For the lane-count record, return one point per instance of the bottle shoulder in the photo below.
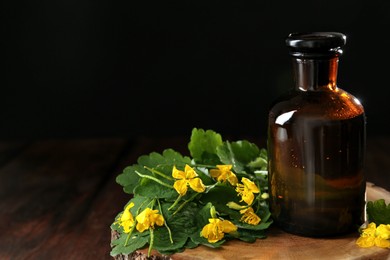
(335, 104)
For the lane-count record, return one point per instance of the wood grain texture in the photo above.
(47, 192)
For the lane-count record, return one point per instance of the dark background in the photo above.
(125, 68)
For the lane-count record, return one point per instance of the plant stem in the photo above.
(175, 203)
(127, 239)
(184, 203)
(204, 165)
(154, 179)
(159, 173)
(151, 241)
(129, 235)
(165, 223)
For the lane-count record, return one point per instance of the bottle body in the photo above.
(316, 150)
(317, 183)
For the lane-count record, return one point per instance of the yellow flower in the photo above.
(383, 243)
(383, 231)
(375, 236)
(216, 229)
(370, 230)
(366, 241)
(224, 173)
(148, 218)
(246, 190)
(185, 178)
(125, 219)
(249, 216)
(233, 205)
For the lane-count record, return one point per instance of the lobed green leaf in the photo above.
(203, 146)
(378, 212)
(134, 243)
(239, 154)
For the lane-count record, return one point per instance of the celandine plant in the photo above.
(179, 202)
(376, 232)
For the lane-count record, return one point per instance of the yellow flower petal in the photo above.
(215, 173)
(246, 190)
(190, 173)
(211, 232)
(225, 167)
(369, 230)
(228, 226)
(156, 218)
(141, 227)
(216, 229)
(148, 218)
(365, 241)
(187, 177)
(177, 174)
(383, 231)
(383, 243)
(248, 197)
(181, 187)
(126, 213)
(223, 173)
(125, 219)
(250, 185)
(197, 185)
(249, 216)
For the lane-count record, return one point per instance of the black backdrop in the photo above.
(124, 68)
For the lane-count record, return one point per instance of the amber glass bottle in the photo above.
(316, 144)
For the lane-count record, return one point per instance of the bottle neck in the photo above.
(315, 74)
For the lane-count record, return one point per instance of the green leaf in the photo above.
(134, 243)
(115, 226)
(203, 146)
(250, 236)
(260, 162)
(202, 216)
(182, 226)
(169, 157)
(378, 212)
(239, 154)
(264, 224)
(162, 163)
(128, 178)
(190, 244)
(214, 197)
(152, 189)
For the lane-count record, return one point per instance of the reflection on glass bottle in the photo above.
(316, 144)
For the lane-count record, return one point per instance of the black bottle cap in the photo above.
(315, 44)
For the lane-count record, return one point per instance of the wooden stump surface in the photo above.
(282, 245)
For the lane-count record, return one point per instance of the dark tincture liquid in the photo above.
(316, 148)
